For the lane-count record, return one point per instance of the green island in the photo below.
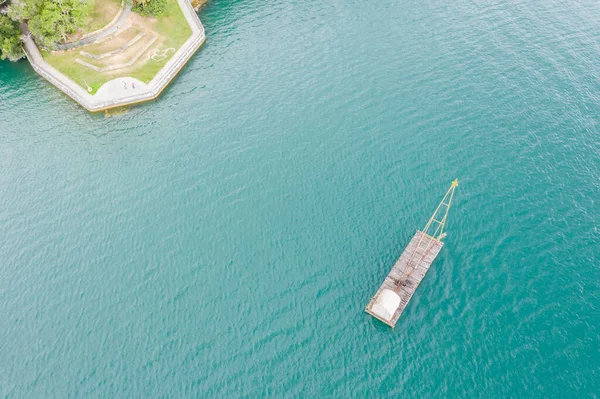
(120, 46)
(171, 31)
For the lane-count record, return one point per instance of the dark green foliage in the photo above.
(51, 21)
(10, 39)
(151, 7)
(56, 19)
(25, 9)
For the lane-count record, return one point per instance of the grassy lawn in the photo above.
(104, 12)
(118, 41)
(172, 30)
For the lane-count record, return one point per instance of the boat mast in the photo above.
(444, 207)
(437, 235)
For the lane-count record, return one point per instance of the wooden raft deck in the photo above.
(409, 276)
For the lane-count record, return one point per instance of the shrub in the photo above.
(155, 8)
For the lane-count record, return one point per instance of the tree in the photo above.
(151, 7)
(10, 39)
(21, 10)
(49, 21)
(55, 20)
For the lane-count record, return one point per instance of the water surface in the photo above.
(224, 240)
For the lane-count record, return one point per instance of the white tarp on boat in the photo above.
(386, 304)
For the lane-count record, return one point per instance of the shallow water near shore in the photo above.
(224, 239)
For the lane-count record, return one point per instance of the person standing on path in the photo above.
(133, 85)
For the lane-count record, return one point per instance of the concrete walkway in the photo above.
(120, 87)
(101, 34)
(114, 94)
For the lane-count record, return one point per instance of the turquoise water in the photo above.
(224, 240)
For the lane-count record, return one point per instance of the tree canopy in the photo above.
(151, 7)
(52, 20)
(57, 19)
(49, 20)
(10, 39)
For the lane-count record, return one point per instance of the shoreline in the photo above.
(198, 4)
(151, 91)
